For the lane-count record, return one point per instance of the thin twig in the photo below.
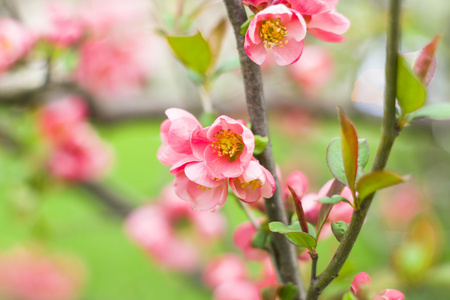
(389, 132)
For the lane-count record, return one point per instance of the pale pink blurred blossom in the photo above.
(65, 28)
(278, 29)
(156, 228)
(58, 118)
(114, 67)
(28, 275)
(298, 182)
(228, 267)
(82, 156)
(242, 238)
(237, 290)
(389, 294)
(15, 42)
(314, 70)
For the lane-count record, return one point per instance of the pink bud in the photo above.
(359, 283)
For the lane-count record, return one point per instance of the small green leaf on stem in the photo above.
(335, 199)
(244, 26)
(349, 149)
(411, 93)
(438, 111)
(339, 229)
(295, 236)
(260, 144)
(259, 240)
(207, 118)
(374, 181)
(287, 292)
(193, 51)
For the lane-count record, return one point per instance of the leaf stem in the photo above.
(389, 132)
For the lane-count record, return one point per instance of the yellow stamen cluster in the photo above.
(227, 143)
(204, 188)
(254, 184)
(273, 33)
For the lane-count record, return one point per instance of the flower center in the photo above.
(228, 143)
(273, 33)
(254, 184)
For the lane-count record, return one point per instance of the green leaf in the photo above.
(335, 199)
(349, 149)
(244, 26)
(294, 234)
(216, 39)
(411, 93)
(206, 119)
(339, 229)
(287, 292)
(375, 181)
(336, 164)
(260, 144)
(438, 111)
(193, 51)
(349, 296)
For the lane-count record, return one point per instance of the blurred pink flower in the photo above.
(65, 28)
(58, 118)
(82, 156)
(389, 294)
(242, 238)
(25, 275)
(254, 183)
(298, 182)
(101, 18)
(159, 228)
(237, 290)
(114, 67)
(314, 70)
(15, 42)
(228, 267)
(360, 284)
(279, 29)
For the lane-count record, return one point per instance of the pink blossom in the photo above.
(279, 29)
(298, 182)
(203, 192)
(268, 274)
(65, 28)
(114, 67)
(227, 147)
(58, 118)
(314, 70)
(176, 134)
(82, 156)
(389, 294)
(309, 7)
(237, 290)
(254, 183)
(25, 275)
(15, 42)
(360, 284)
(228, 267)
(328, 26)
(242, 238)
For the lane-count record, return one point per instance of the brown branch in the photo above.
(284, 252)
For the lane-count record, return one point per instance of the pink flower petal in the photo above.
(288, 54)
(326, 36)
(332, 22)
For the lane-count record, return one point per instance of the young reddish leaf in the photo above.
(425, 64)
(411, 93)
(299, 211)
(193, 51)
(375, 181)
(349, 149)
